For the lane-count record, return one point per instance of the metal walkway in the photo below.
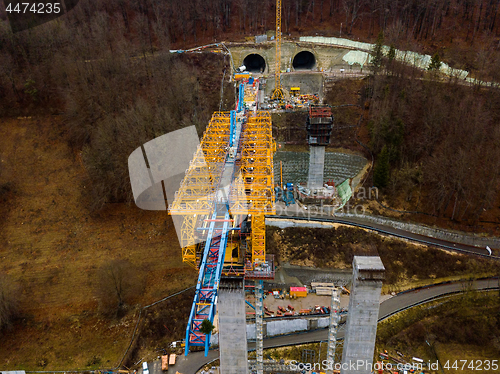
(210, 270)
(208, 279)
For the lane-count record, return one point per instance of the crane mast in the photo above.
(278, 90)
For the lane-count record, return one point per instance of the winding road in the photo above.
(387, 230)
(194, 361)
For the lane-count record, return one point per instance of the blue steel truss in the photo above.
(231, 127)
(205, 299)
(241, 98)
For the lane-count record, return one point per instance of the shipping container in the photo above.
(171, 359)
(298, 292)
(164, 362)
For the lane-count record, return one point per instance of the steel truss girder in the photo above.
(208, 281)
(258, 238)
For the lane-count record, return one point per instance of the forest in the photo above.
(105, 68)
(437, 141)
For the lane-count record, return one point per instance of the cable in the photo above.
(222, 90)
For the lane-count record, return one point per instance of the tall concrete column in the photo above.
(316, 166)
(232, 331)
(364, 303)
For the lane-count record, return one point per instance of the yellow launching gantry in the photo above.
(252, 192)
(195, 198)
(226, 192)
(249, 196)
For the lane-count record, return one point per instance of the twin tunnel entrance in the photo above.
(304, 60)
(255, 63)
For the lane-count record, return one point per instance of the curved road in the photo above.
(194, 361)
(399, 233)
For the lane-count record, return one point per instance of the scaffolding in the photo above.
(196, 194)
(195, 198)
(188, 240)
(259, 314)
(319, 125)
(332, 330)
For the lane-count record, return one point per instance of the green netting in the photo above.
(344, 191)
(338, 166)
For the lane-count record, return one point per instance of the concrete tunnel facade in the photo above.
(296, 56)
(306, 60)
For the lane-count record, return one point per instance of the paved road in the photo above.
(383, 229)
(195, 360)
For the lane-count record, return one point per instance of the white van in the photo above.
(145, 369)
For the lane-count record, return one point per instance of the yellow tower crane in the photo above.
(278, 93)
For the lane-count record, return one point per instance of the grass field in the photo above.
(463, 327)
(52, 246)
(407, 265)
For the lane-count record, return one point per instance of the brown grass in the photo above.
(52, 246)
(407, 265)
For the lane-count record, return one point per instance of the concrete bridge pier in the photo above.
(232, 331)
(361, 326)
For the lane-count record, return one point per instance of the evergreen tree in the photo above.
(392, 53)
(381, 171)
(377, 54)
(435, 63)
(207, 326)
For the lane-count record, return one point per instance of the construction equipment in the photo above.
(225, 193)
(278, 93)
(288, 194)
(319, 125)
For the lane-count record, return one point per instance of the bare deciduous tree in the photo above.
(9, 301)
(119, 283)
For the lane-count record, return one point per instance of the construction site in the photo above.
(229, 187)
(258, 137)
(249, 187)
(225, 195)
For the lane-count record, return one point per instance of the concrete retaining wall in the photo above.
(283, 326)
(412, 58)
(452, 236)
(286, 326)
